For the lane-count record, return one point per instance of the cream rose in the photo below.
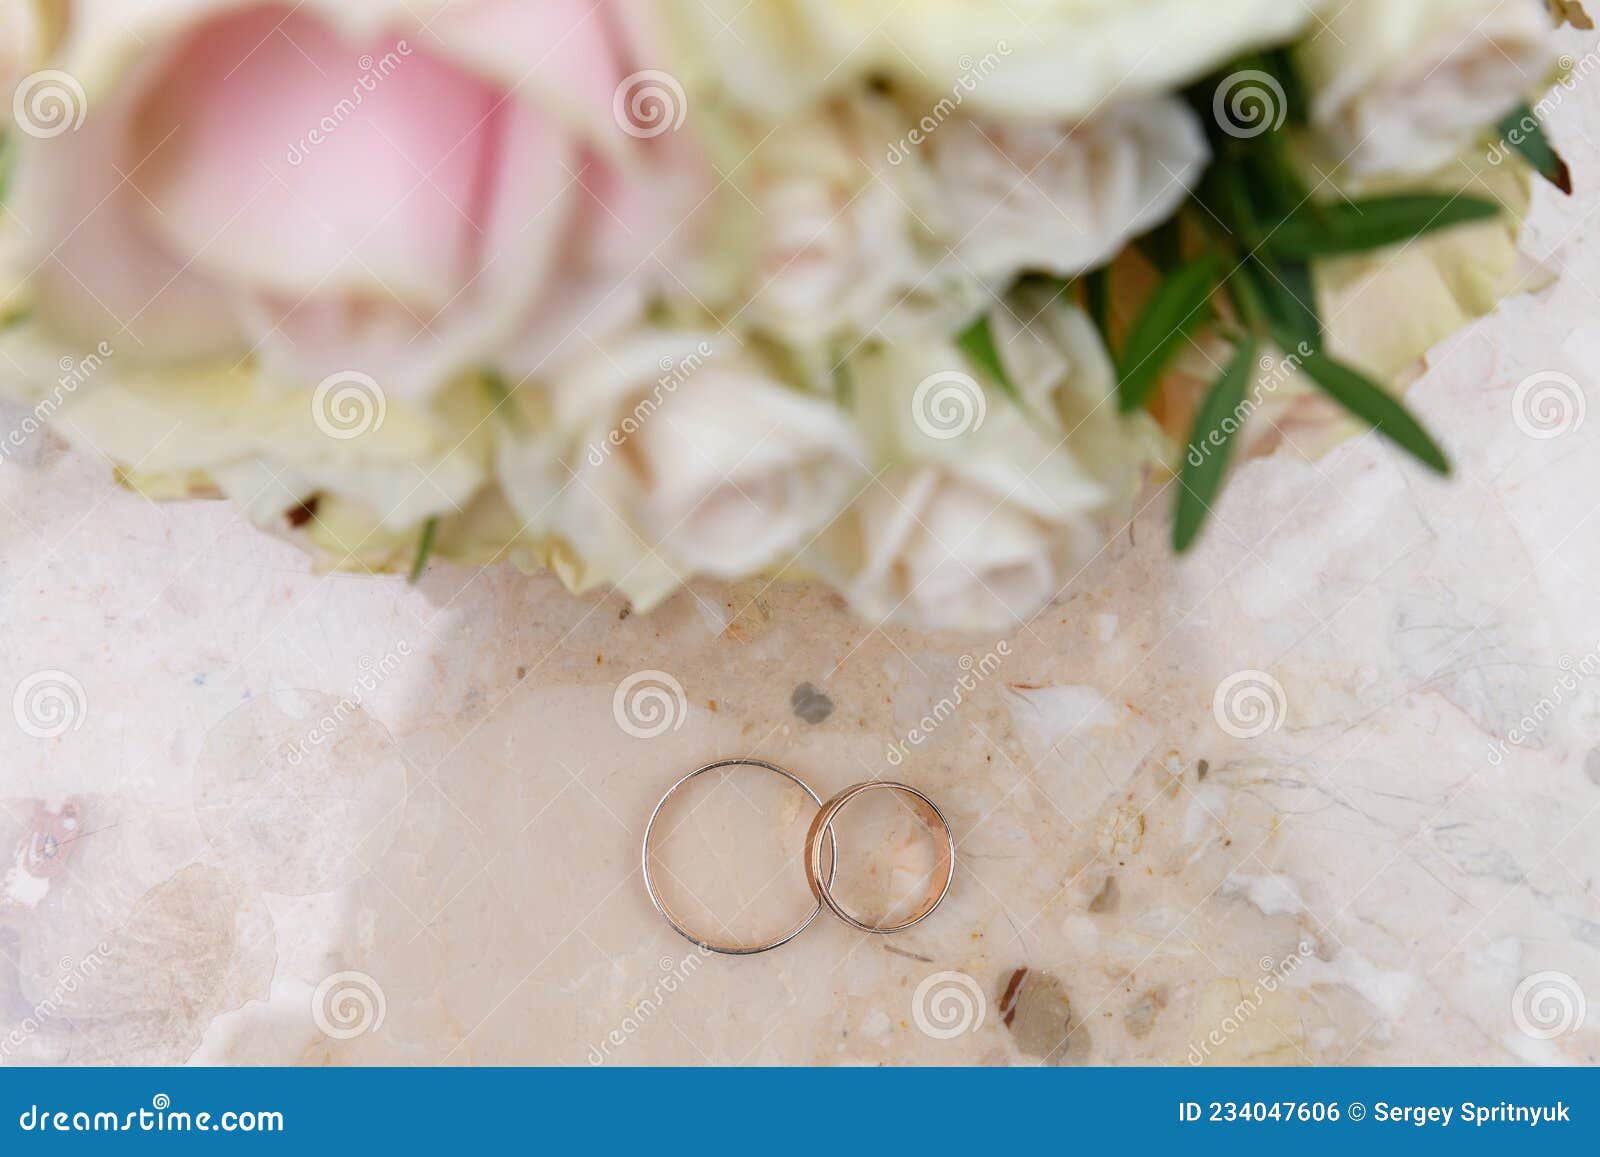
(394, 188)
(1404, 86)
(20, 37)
(1052, 58)
(1029, 195)
(836, 243)
(668, 455)
(984, 509)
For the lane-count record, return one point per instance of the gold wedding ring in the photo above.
(821, 883)
(822, 825)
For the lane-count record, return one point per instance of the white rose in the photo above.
(1026, 195)
(835, 245)
(1384, 311)
(273, 450)
(1404, 86)
(1055, 58)
(985, 510)
(20, 37)
(668, 455)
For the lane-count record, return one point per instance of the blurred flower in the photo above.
(836, 244)
(667, 455)
(187, 432)
(1385, 310)
(324, 185)
(1028, 195)
(1404, 86)
(978, 525)
(20, 37)
(1057, 58)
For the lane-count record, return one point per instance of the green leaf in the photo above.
(1210, 445)
(844, 386)
(1163, 245)
(1523, 132)
(1225, 195)
(1285, 295)
(1273, 177)
(1097, 295)
(977, 343)
(1375, 223)
(1375, 406)
(430, 531)
(1175, 310)
(1281, 63)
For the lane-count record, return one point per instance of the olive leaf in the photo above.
(1374, 405)
(430, 531)
(1373, 223)
(1523, 132)
(1210, 445)
(1175, 310)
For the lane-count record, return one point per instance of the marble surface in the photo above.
(1328, 791)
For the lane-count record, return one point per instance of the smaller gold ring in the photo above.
(822, 825)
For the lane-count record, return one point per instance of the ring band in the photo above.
(666, 913)
(823, 823)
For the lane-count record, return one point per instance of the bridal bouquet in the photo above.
(916, 297)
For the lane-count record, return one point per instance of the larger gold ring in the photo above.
(823, 825)
(666, 913)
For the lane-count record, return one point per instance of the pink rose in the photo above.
(411, 190)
